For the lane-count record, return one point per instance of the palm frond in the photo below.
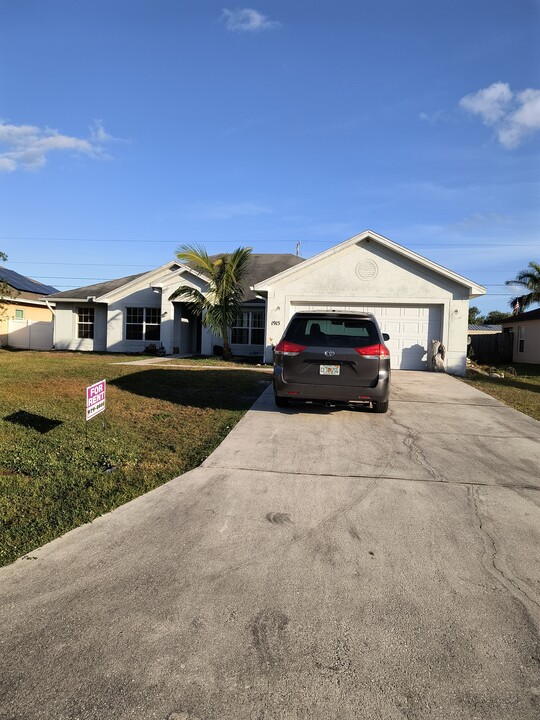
(188, 294)
(530, 280)
(197, 256)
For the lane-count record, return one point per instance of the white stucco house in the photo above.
(414, 299)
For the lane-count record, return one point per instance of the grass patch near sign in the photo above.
(57, 471)
(522, 391)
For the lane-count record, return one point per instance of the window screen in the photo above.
(143, 323)
(249, 328)
(85, 323)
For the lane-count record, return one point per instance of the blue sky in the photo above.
(128, 128)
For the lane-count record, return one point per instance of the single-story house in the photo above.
(414, 299)
(526, 329)
(25, 317)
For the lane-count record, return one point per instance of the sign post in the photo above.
(95, 399)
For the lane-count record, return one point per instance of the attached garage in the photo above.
(414, 300)
(411, 328)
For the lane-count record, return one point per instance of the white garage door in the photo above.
(411, 328)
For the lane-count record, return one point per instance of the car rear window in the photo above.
(324, 332)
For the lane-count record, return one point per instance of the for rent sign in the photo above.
(95, 399)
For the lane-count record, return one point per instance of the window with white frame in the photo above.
(521, 339)
(143, 323)
(249, 328)
(85, 322)
(19, 314)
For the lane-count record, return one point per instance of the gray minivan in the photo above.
(334, 357)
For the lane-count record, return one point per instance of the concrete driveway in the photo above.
(321, 564)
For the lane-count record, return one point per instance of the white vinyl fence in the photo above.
(30, 335)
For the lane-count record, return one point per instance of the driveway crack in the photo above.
(492, 555)
(416, 453)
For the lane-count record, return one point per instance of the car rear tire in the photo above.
(380, 406)
(281, 401)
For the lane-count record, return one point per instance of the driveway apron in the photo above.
(322, 563)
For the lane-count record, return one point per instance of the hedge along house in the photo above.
(414, 300)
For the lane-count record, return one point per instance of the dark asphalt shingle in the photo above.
(98, 289)
(261, 266)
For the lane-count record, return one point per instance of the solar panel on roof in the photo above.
(25, 284)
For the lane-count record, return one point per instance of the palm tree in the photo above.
(220, 306)
(529, 279)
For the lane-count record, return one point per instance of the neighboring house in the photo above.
(489, 345)
(25, 318)
(414, 299)
(526, 331)
(484, 329)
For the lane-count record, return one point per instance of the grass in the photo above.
(521, 392)
(58, 472)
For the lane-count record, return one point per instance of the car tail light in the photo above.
(374, 351)
(289, 348)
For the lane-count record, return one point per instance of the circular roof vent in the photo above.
(366, 270)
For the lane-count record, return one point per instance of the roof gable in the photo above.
(367, 236)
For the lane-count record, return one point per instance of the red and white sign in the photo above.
(95, 399)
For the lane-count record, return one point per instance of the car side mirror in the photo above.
(385, 336)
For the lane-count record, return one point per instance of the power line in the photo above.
(75, 264)
(274, 241)
(122, 265)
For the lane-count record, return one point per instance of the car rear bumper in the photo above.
(339, 393)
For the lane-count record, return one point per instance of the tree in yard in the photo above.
(529, 279)
(6, 291)
(494, 317)
(220, 306)
(474, 316)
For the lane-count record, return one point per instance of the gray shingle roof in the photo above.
(261, 266)
(265, 265)
(98, 289)
(23, 283)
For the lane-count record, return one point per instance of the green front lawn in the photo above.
(521, 392)
(57, 471)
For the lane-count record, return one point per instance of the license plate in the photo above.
(329, 370)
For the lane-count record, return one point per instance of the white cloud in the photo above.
(27, 146)
(434, 117)
(490, 103)
(247, 20)
(220, 210)
(515, 116)
(226, 211)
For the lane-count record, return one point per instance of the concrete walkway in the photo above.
(321, 564)
(169, 361)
